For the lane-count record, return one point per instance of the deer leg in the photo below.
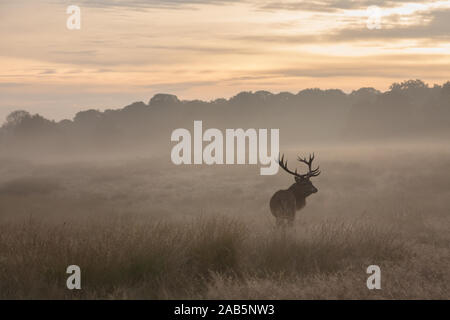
(290, 215)
(280, 222)
(290, 221)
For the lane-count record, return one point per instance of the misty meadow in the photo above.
(100, 191)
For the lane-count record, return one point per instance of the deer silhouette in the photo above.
(285, 203)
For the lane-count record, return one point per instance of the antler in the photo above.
(283, 165)
(311, 172)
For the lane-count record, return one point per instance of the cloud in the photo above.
(72, 52)
(331, 5)
(12, 84)
(371, 70)
(437, 28)
(376, 66)
(48, 71)
(177, 86)
(220, 50)
(173, 4)
(430, 27)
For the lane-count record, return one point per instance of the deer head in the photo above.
(302, 181)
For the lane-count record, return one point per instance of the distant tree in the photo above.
(163, 99)
(446, 88)
(409, 108)
(365, 92)
(365, 96)
(16, 117)
(87, 116)
(21, 123)
(408, 85)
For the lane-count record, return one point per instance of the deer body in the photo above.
(285, 203)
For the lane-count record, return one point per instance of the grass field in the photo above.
(146, 229)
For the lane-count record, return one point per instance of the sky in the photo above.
(129, 50)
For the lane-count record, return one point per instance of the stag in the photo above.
(285, 203)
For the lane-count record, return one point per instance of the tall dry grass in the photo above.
(217, 257)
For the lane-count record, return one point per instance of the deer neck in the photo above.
(298, 191)
(300, 198)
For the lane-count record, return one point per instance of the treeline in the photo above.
(411, 109)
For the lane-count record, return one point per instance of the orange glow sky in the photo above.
(205, 49)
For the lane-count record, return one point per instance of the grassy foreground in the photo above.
(215, 258)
